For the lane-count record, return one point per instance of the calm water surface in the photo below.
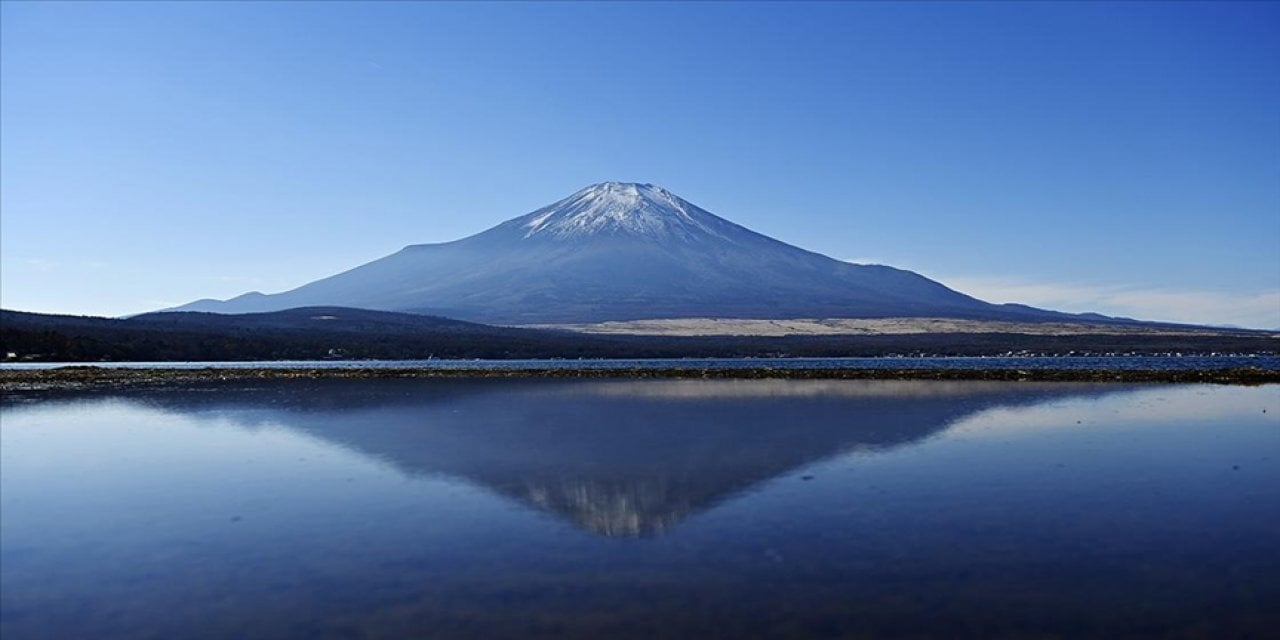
(1159, 363)
(656, 508)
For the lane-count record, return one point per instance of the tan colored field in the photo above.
(862, 326)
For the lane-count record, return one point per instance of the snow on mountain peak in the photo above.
(621, 208)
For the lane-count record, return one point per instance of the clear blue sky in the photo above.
(1122, 158)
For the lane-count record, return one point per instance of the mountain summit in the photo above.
(625, 251)
(613, 208)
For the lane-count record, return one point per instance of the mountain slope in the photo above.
(622, 251)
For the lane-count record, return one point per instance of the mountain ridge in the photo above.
(327, 332)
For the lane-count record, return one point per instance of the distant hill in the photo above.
(335, 332)
(305, 333)
(622, 251)
(321, 319)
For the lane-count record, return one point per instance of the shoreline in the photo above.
(80, 376)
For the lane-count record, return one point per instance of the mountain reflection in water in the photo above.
(618, 458)
(639, 508)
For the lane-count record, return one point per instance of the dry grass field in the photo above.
(867, 327)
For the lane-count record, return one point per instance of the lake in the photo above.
(482, 508)
(1070, 363)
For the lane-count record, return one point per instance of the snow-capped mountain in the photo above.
(624, 251)
(613, 208)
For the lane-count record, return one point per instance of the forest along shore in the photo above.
(78, 376)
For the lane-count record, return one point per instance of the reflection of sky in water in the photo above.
(477, 508)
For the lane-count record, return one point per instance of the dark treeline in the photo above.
(310, 334)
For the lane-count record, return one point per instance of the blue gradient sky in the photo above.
(1121, 158)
